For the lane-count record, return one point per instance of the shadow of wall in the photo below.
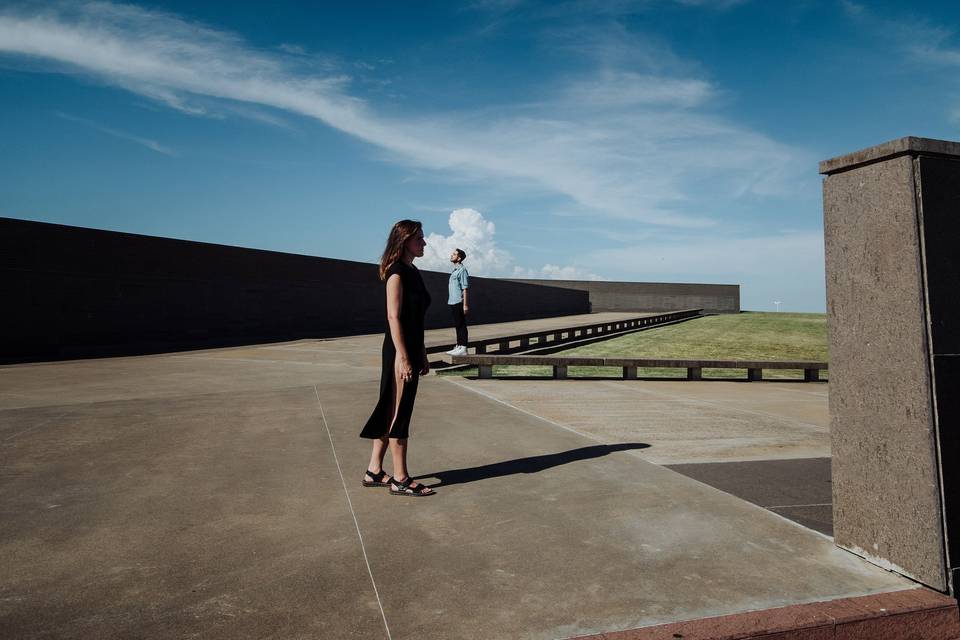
(72, 292)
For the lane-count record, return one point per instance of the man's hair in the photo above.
(462, 254)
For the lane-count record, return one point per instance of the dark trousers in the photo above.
(460, 322)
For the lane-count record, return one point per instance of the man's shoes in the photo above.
(458, 350)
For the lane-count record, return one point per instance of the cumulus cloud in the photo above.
(476, 235)
(641, 146)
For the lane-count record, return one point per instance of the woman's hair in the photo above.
(462, 254)
(401, 232)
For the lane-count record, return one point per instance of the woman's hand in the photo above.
(404, 370)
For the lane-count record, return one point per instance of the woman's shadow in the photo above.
(533, 464)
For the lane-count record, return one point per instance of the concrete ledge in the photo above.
(486, 359)
(912, 613)
(574, 333)
(909, 145)
(486, 362)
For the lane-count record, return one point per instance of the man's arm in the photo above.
(466, 307)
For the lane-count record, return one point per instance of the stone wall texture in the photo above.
(653, 296)
(891, 237)
(76, 292)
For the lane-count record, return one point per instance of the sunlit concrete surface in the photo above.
(217, 494)
(683, 421)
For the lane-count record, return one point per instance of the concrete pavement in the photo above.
(216, 494)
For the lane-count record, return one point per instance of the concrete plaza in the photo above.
(216, 494)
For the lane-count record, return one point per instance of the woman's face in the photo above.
(415, 244)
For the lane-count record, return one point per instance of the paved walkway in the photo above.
(216, 494)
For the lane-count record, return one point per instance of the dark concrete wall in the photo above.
(653, 296)
(75, 292)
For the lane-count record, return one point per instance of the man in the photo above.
(457, 299)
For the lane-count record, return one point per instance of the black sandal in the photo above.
(376, 479)
(398, 488)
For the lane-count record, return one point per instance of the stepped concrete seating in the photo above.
(576, 333)
(485, 363)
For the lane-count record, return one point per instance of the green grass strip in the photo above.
(743, 336)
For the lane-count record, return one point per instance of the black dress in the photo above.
(413, 307)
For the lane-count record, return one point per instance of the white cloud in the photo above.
(639, 146)
(153, 145)
(922, 41)
(475, 234)
(292, 49)
(627, 89)
(718, 4)
(555, 272)
(711, 258)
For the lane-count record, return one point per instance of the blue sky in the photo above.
(653, 140)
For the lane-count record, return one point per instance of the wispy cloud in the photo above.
(153, 145)
(917, 40)
(715, 258)
(715, 4)
(922, 40)
(592, 7)
(633, 143)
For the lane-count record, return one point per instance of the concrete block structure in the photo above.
(653, 296)
(892, 234)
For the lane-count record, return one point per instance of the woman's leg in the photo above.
(399, 460)
(379, 449)
(398, 446)
(380, 445)
(398, 451)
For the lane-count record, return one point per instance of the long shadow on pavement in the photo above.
(533, 464)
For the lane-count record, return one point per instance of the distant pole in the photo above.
(778, 303)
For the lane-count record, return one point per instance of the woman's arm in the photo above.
(394, 303)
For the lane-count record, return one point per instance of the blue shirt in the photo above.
(459, 280)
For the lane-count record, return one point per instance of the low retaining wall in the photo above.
(75, 292)
(653, 296)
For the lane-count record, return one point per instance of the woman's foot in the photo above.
(379, 479)
(408, 487)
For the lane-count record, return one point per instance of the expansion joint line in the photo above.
(363, 547)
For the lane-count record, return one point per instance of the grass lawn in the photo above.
(748, 335)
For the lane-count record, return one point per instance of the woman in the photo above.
(404, 360)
